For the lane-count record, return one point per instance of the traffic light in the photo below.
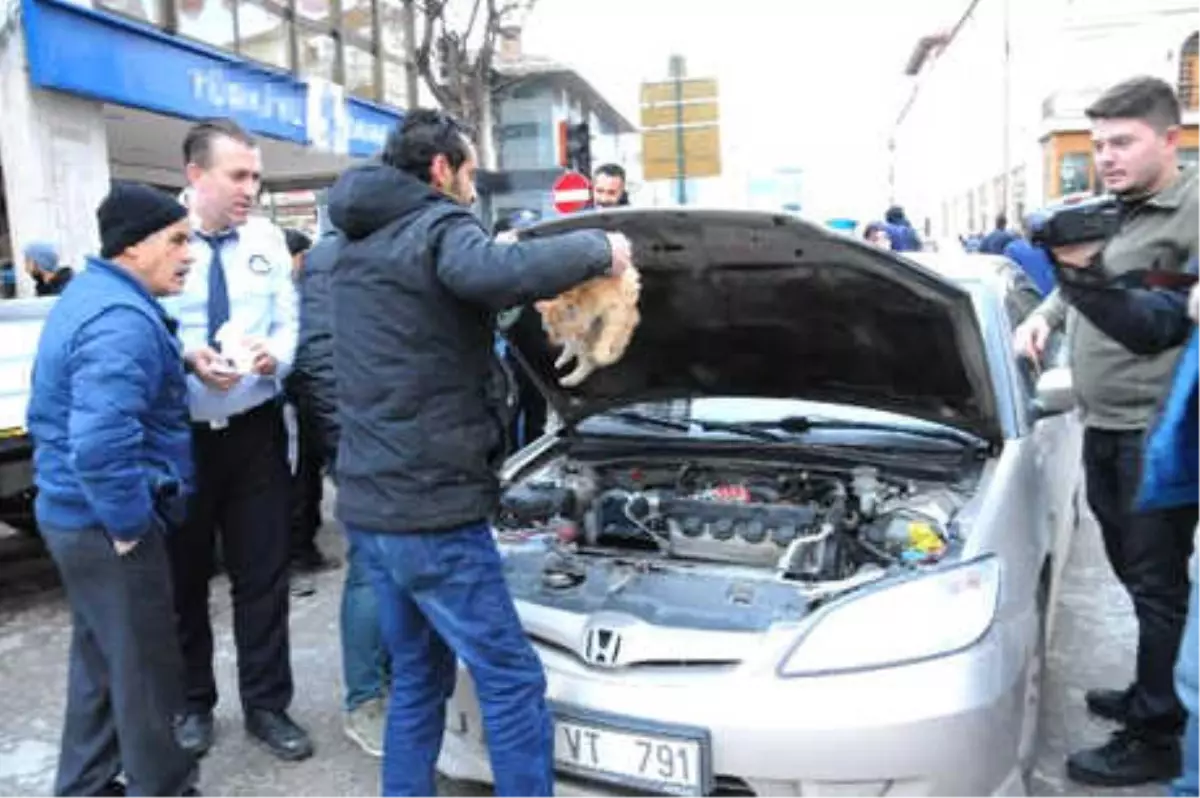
(575, 147)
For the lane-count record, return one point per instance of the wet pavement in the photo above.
(1092, 646)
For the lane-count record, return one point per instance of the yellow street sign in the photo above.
(665, 115)
(701, 153)
(693, 89)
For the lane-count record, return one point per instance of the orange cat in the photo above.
(593, 322)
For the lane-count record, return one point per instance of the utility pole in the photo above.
(678, 68)
(1006, 190)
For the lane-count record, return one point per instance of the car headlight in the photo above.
(923, 617)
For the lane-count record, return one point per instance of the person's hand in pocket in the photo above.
(123, 547)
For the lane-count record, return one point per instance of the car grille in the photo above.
(657, 663)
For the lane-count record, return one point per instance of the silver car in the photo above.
(803, 538)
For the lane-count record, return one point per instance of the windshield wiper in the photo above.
(737, 428)
(798, 425)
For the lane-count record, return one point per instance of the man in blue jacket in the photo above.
(108, 418)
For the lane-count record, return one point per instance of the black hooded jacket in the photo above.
(312, 380)
(420, 399)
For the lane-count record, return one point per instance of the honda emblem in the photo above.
(602, 647)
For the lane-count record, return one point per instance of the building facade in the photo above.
(533, 97)
(995, 122)
(98, 92)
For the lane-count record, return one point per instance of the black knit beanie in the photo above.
(132, 213)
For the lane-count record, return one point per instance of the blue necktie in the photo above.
(218, 290)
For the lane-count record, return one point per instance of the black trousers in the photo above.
(242, 485)
(1149, 553)
(307, 485)
(125, 683)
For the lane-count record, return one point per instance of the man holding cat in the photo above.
(420, 401)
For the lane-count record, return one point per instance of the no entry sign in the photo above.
(572, 192)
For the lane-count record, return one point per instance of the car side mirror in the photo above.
(1055, 393)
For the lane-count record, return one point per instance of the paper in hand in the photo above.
(233, 346)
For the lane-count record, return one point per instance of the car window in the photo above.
(1021, 298)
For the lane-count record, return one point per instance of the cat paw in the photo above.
(576, 377)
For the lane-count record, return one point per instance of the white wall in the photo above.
(55, 155)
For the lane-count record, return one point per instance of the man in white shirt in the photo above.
(238, 325)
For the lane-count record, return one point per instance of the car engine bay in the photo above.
(823, 530)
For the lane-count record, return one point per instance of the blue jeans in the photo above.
(365, 663)
(1186, 680)
(442, 595)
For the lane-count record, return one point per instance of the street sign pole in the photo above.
(677, 70)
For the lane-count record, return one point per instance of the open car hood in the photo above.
(739, 303)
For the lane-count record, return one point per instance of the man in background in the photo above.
(1000, 237)
(608, 187)
(308, 462)
(900, 231)
(41, 263)
(366, 667)
(1033, 260)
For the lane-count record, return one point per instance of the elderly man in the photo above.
(108, 418)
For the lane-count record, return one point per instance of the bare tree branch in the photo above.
(471, 21)
(455, 60)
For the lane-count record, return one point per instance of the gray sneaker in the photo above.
(364, 725)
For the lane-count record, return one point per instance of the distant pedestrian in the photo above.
(900, 231)
(876, 233)
(1033, 260)
(112, 461)
(995, 242)
(41, 263)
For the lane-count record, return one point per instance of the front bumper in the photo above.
(944, 726)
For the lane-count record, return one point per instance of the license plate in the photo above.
(653, 762)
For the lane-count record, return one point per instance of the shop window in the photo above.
(264, 33)
(1189, 73)
(395, 83)
(524, 130)
(318, 56)
(360, 73)
(315, 10)
(391, 27)
(149, 11)
(1074, 173)
(208, 21)
(357, 22)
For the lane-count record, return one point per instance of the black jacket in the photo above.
(420, 397)
(312, 380)
(1146, 321)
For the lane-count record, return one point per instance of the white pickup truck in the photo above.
(20, 326)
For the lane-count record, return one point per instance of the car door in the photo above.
(1056, 440)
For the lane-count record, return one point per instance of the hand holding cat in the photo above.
(622, 253)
